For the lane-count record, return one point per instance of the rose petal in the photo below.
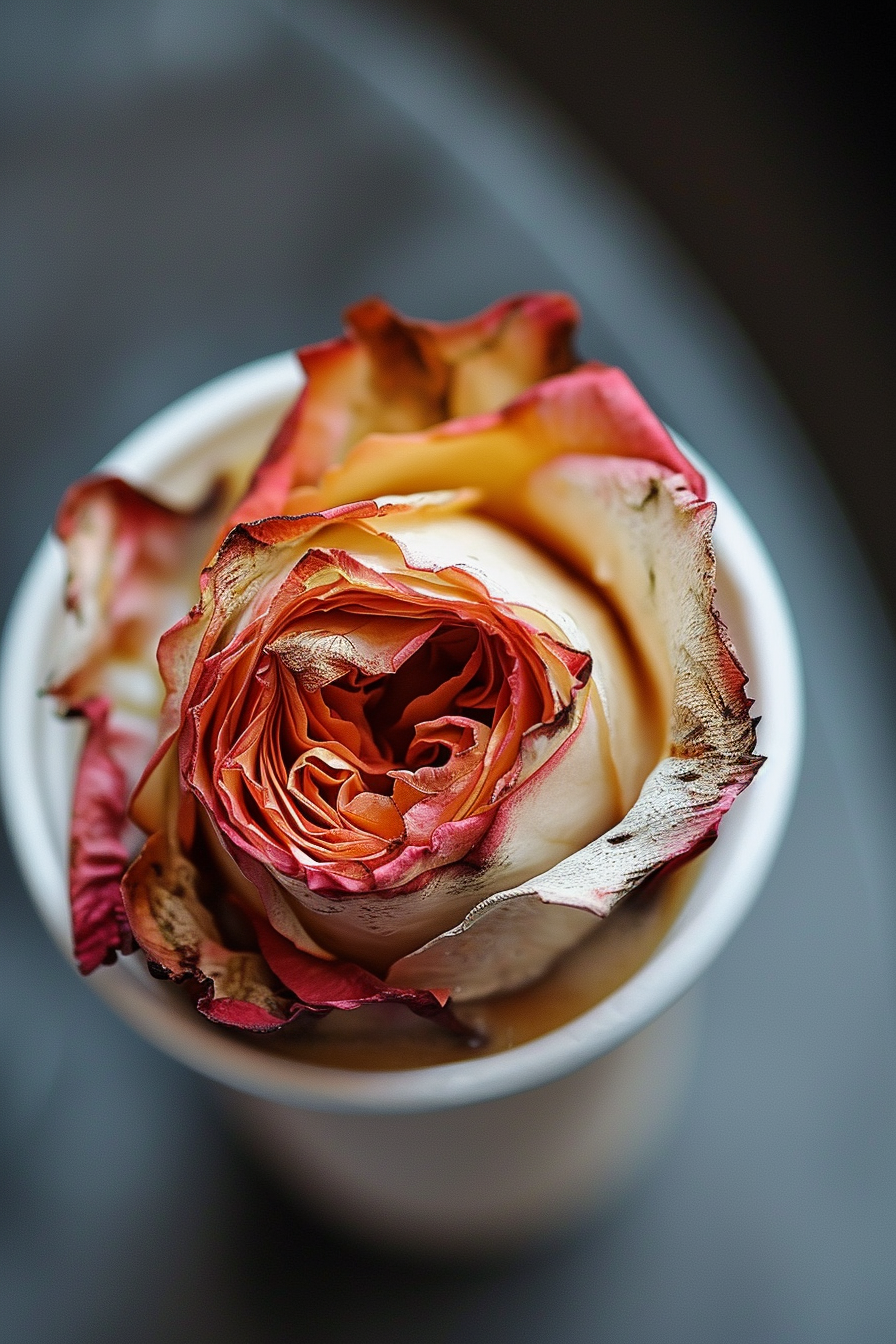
(257, 991)
(132, 563)
(593, 410)
(98, 855)
(132, 572)
(182, 941)
(337, 984)
(390, 374)
(640, 531)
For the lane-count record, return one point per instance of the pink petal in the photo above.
(595, 410)
(598, 410)
(131, 564)
(98, 856)
(324, 985)
(335, 984)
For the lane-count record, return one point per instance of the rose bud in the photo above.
(453, 685)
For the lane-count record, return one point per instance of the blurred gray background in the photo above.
(190, 185)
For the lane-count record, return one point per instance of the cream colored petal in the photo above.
(639, 531)
(552, 599)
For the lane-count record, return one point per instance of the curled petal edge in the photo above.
(593, 411)
(390, 374)
(129, 557)
(260, 990)
(98, 856)
(323, 985)
(182, 942)
(638, 528)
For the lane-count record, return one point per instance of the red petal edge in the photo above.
(98, 857)
(324, 985)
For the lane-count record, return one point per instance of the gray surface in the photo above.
(187, 186)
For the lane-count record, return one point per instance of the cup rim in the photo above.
(732, 877)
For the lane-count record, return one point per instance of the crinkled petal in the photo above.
(132, 570)
(256, 990)
(182, 941)
(324, 985)
(390, 374)
(252, 559)
(595, 410)
(643, 535)
(98, 854)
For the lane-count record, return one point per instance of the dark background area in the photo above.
(759, 132)
(177, 200)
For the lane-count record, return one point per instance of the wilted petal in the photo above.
(256, 990)
(132, 567)
(182, 941)
(372, 830)
(645, 537)
(98, 854)
(337, 984)
(393, 375)
(595, 410)
(132, 572)
(253, 559)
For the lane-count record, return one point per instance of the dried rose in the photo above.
(453, 685)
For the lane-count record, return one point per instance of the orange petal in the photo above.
(594, 411)
(394, 375)
(377, 814)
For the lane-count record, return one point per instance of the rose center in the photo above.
(385, 721)
(453, 674)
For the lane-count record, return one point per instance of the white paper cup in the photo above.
(497, 1148)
